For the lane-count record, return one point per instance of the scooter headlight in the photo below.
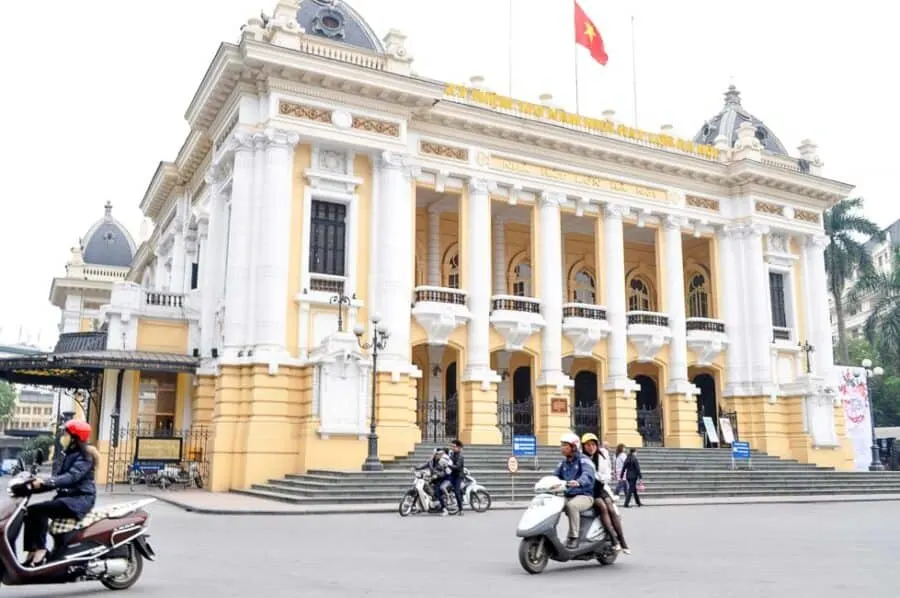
(539, 501)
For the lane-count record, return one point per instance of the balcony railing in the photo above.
(326, 283)
(440, 295)
(780, 333)
(163, 299)
(705, 325)
(513, 303)
(647, 318)
(583, 310)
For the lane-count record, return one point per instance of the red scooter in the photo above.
(108, 545)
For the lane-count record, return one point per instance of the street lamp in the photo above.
(871, 372)
(378, 343)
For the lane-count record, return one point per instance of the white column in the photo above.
(732, 312)
(478, 239)
(71, 317)
(394, 266)
(614, 277)
(759, 306)
(672, 246)
(204, 284)
(818, 324)
(500, 257)
(273, 245)
(550, 278)
(434, 247)
(178, 253)
(238, 289)
(257, 206)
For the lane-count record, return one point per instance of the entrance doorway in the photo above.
(706, 404)
(586, 411)
(451, 403)
(523, 402)
(649, 414)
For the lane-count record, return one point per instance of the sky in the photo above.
(95, 92)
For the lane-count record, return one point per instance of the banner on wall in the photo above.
(853, 390)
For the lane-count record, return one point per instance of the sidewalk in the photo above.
(224, 503)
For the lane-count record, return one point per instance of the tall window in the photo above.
(328, 229)
(776, 297)
(156, 403)
(698, 296)
(521, 286)
(639, 297)
(584, 290)
(453, 271)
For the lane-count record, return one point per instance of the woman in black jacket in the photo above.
(631, 471)
(75, 490)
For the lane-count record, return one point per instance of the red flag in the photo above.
(587, 35)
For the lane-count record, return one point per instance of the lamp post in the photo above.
(871, 372)
(378, 343)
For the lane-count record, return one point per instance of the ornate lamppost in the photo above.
(341, 300)
(378, 343)
(871, 373)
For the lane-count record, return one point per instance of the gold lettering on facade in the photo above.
(444, 151)
(576, 178)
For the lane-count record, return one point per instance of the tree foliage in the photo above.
(7, 400)
(31, 446)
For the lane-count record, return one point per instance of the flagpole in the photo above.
(575, 45)
(634, 72)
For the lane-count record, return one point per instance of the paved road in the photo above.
(771, 551)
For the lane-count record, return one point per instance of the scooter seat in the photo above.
(589, 513)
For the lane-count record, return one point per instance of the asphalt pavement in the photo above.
(735, 551)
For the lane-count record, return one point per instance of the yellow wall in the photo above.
(301, 163)
(163, 336)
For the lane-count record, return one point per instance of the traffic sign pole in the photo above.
(512, 466)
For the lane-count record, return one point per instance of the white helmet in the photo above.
(570, 438)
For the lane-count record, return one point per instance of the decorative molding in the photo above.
(703, 203)
(379, 127)
(282, 138)
(551, 199)
(764, 207)
(444, 151)
(482, 186)
(322, 115)
(806, 216)
(819, 242)
(616, 211)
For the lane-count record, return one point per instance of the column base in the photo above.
(620, 426)
(680, 429)
(478, 414)
(552, 416)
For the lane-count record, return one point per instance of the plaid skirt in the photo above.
(64, 526)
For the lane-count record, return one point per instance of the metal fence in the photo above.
(195, 448)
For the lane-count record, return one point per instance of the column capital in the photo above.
(819, 242)
(615, 211)
(551, 199)
(241, 141)
(482, 186)
(281, 138)
(674, 222)
(388, 160)
(743, 230)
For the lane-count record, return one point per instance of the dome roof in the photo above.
(336, 20)
(731, 117)
(108, 243)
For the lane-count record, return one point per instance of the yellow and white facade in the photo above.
(535, 269)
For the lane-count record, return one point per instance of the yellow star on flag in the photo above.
(590, 32)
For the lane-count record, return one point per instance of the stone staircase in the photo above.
(668, 473)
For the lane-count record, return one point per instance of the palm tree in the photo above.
(845, 255)
(883, 325)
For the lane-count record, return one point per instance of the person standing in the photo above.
(457, 472)
(618, 467)
(631, 470)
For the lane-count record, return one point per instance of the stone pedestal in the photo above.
(621, 418)
(478, 414)
(680, 429)
(204, 401)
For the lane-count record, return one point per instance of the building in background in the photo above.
(35, 411)
(882, 253)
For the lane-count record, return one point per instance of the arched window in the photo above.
(521, 284)
(584, 290)
(450, 268)
(640, 298)
(697, 296)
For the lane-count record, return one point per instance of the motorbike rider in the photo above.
(599, 456)
(457, 472)
(74, 483)
(579, 474)
(439, 468)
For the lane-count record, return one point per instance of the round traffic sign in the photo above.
(512, 464)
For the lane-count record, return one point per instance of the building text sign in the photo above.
(594, 125)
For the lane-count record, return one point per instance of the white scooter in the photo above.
(474, 494)
(421, 499)
(540, 542)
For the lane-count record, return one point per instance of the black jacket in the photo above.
(457, 465)
(74, 483)
(632, 469)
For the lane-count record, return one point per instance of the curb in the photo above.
(506, 506)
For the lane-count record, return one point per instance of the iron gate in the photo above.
(439, 420)
(516, 418)
(649, 423)
(195, 448)
(586, 418)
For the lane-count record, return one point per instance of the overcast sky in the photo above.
(95, 93)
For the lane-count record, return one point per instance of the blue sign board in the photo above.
(524, 446)
(740, 450)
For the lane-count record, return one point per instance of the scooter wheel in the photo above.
(406, 505)
(130, 577)
(532, 556)
(481, 501)
(608, 557)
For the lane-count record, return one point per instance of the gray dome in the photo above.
(727, 122)
(336, 20)
(108, 243)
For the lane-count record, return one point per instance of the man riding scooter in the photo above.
(579, 474)
(439, 466)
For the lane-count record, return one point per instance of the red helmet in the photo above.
(78, 429)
